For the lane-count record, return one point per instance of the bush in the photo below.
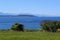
(50, 25)
(32, 30)
(17, 27)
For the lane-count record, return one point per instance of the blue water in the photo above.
(28, 22)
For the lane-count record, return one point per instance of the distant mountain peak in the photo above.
(27, 15)
(20, 14)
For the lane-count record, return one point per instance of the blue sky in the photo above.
(35, 7)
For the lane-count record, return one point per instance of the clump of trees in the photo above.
(50, 25)
(17, 27)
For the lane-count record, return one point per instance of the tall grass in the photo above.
(12, 35)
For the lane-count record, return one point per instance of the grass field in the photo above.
(11, 35)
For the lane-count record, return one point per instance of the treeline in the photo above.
(46, 25)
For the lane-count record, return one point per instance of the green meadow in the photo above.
(14, 35)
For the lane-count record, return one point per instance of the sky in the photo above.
(35, 7)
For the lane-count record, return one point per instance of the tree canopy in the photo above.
(50, 25)
(17, 27)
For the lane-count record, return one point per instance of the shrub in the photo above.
(50, 25)
(17, 27)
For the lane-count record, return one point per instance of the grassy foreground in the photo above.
(11, 35)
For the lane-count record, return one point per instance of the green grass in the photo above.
(11, 35)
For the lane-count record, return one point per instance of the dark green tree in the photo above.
(17, 27)
(50, 25)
